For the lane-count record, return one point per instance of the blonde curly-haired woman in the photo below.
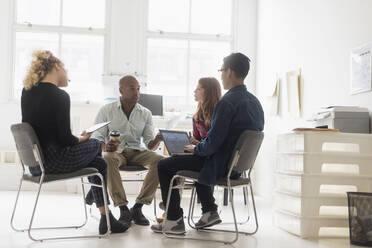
(46, 108)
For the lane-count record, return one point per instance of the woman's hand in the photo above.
(189, 148)
(193, 140)
(84, 136)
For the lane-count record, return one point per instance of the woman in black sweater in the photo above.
(47, 109)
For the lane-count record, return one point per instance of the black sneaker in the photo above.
(161, 206)
(138, 217)
(125, 216)
(89, 198)
(116, 226)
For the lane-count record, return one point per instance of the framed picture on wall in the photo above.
(361, 72)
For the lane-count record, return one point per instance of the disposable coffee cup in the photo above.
(115, 136)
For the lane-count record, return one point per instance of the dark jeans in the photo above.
(167, 168)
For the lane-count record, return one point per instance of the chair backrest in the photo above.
(246, 148)
(27, 144)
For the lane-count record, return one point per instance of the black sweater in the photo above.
(47, 109)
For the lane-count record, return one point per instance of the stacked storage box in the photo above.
(314, 171)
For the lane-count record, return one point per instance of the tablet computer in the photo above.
(97, 126)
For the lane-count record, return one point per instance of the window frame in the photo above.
(188, 37)
(60, 30)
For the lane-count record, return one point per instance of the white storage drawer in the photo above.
(321, 184)
(312, 227)
(325, 141)
(311, 206)
(325, 162)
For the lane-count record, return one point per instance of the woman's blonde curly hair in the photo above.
(42, 63)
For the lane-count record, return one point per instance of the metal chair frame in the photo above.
(38, 158)
(229, 187)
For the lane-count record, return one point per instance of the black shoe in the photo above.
(116, 226)
(138, 217)
(89, 198)
(161, 206)
(125, 216)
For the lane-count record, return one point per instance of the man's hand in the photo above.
(189, 148)
(158, 138)
(111, 146)
(84, 136)
(153, 144)
(193, 140)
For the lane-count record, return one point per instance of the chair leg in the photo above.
(33, 213)
(155, 203)
(255, 216)
(236, 231)
(254, 211)
(168, 198)
(245, 190)
(191, 213)
(245, 195)
(105, 203)
(155, 212)
(225, 197)
(37, 228)
(192, 205)
(246, 199)
(30, 228)
(193, 201)
(85, 206)
(234, 216)
(15, 207)
(246, 203)
(190, 218)
(235, 223)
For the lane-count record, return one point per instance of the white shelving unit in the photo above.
(314, 171)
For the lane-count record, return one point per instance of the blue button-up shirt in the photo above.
(139, 127)
(237, 111)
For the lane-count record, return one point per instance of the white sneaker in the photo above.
(176, 227)
(208, 219)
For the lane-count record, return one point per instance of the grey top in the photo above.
(138, 128)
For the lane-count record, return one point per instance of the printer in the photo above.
(347, 119)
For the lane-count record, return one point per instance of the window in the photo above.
(190, 46)
(78, 42)
(166, 69)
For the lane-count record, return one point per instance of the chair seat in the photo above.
(220, 182)
(132, 167)
(189, 174)
(55, 177)
(233, 182)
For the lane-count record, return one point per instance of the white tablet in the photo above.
(97, 126)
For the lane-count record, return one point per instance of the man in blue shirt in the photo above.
(236, 111)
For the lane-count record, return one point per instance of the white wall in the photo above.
(245, 36)
(317, 36)
(125, 52)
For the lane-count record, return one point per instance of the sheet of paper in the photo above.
(294, 93)
(361, 69)
(275, 99)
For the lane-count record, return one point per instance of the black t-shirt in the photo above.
(47, 109)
